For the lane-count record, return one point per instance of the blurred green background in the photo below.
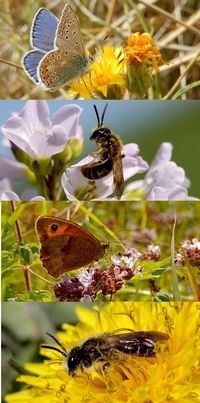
(24, 327)
(148, 123)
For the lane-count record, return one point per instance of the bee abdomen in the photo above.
(97, 170)
(143, 350)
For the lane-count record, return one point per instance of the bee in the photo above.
(109, 156)
(108, 346)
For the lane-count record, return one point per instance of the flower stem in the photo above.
(176, 294)
(25, 269)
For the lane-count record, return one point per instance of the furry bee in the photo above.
(109, 156)
(108, 346)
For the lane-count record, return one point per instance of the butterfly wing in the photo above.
(43, 30)
(30, 63)
(68, 247)
(64, 57)
(61, 66)
(68, 34)
(68, 253)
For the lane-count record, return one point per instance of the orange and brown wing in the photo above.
(65, 245)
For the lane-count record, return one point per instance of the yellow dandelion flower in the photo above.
(142, 57)
(105, 78)
(169, 375)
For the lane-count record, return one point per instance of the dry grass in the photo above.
(175, 26)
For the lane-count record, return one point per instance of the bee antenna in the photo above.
(100, 123)
(63, 350)
(103, 114)
(97, 115)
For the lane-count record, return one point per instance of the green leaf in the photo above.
(25, 254)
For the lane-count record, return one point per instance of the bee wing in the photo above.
(128, 341)
(117, 340)
(153, 335)
(118, 177)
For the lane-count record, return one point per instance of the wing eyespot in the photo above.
(54, 227)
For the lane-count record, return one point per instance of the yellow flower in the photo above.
(141, 49)
(105, 78)
(170, 376)
(115, 70)
(141, 58)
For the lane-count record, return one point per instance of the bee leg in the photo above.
(94, 154)
(97, 152)
(105, 367)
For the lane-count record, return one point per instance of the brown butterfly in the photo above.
(65, 245)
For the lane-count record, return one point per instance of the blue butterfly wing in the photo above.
(43, 30)
(30, 63)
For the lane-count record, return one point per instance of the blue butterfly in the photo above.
(59, 54)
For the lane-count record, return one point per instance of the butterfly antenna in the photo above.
(97, 115)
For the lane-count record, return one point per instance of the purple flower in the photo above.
(11, 169)
(76, 186)
(165, 180)
(189, 252)
(158, 193)
(39, 135)
(9, 195)
(6, 190)
(90, 282)
(4, 186)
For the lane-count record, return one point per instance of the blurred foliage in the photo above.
(24, 327)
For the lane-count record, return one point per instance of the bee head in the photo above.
(100, 133)
(74, 361)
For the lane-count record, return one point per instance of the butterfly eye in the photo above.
(54, 227)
